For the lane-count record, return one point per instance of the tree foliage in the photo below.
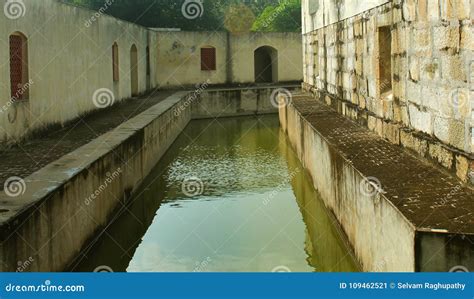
(168, 13)
(284, 17)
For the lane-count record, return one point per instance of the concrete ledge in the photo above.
(68, 201)
(392, 206)
(243, 101)
(457, 162)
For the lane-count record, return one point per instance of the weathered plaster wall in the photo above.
(68, 62)
(237, 102)
(320, 13)
(429, 109)
(179, 58)
(70, 58)
(179, 52)
(362, 216)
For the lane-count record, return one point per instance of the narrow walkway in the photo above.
(33, 154)
(429, 197)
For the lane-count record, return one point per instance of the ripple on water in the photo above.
(225, 170)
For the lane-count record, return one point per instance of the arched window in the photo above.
(134, 70)
(208, 59)
(115, 62)
(19, 80)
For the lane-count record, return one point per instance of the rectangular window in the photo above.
(16, 66)
(115, 59)
(208, 59)
(385, 60)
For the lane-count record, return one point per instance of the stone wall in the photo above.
(427, 103)
(179, 52)
(69, 59)
(70, 62)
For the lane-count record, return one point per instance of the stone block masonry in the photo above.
(399, 212)
(404, 68)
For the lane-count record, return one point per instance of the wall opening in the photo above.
(148, 68)
(134, 70)
(115, 62)
(385, 62)
(19, 80)
(315, 60)
(208, 59)
(266, 65)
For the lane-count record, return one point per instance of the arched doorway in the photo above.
(266, 65)
(19, 80)
(134, 69)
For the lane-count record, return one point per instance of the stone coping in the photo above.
(42, 183)
(430, 198)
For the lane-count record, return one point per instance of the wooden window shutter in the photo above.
(115, 61)
(208, 59)
(16, 66)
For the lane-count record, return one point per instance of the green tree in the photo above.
(168, 13)
(284, 17)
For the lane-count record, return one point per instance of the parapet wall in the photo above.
(405, 69)
(392, 206)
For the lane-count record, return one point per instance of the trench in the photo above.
(229, 195)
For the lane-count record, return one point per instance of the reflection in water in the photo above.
(230, 195)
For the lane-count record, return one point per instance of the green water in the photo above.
(230, 195)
